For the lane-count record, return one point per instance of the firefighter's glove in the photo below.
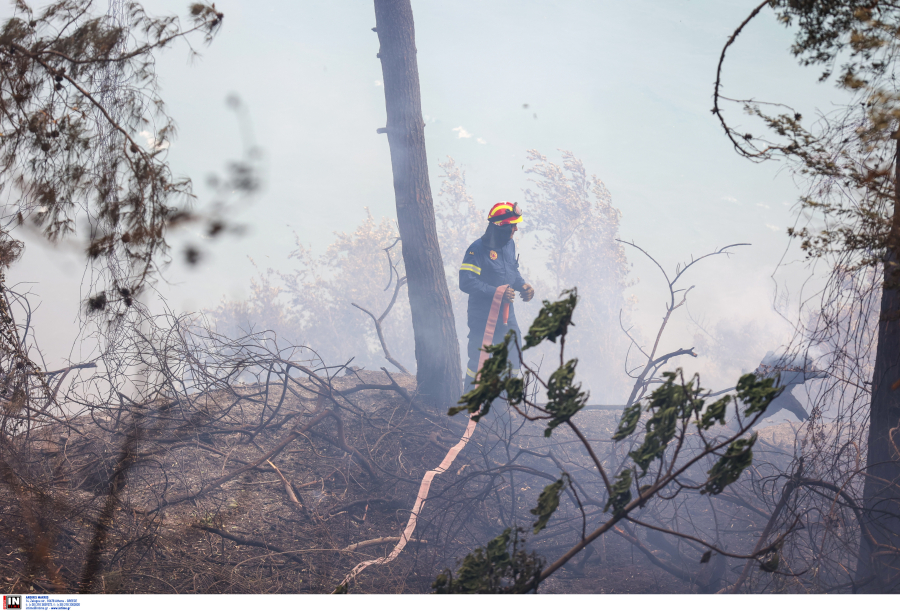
(510, 294)
(527, 292)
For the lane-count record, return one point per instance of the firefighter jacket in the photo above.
(482, 271)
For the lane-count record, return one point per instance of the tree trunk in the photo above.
(439, 373)
(879, 560)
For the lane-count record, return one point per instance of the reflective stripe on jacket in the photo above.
(482, 272)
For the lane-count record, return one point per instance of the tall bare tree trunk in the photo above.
(439, 373)
(880, 556)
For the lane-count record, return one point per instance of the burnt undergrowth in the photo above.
(184, 461)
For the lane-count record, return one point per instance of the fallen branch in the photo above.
(342, 443)
(251, 542)
(379, 541)
(365, 501)
(289, 490)
(293, 435)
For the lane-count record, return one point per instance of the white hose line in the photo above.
(448, 459)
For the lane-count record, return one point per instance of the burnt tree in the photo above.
(851, 159)
(880, 546)
(439, 373)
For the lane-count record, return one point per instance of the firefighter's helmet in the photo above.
(505, 213)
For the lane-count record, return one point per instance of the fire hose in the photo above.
(425, 486)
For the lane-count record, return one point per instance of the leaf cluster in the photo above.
(672, 405)
(494, 379)
(672, 402)
(620, 492)
(501, 567)
(553, 320)
(757, 393)
(548, 501)
(737, 458)
(564, 397)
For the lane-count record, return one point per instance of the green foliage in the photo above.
(515, 390)
(730, 465)
(553, 320)
(564, 398)
(683, 398)
(668, 404)
(661, 428)
(714, 413)
(494, 377)
(627, 425)
(757, 393)
(674, 402)
(501, 567)
(620, 493)
(671, 403)
(548, 501)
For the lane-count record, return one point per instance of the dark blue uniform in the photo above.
(481, 272)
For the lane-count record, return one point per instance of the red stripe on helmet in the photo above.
(505, 213)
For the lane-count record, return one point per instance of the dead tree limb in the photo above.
(293, 435)
(251, 542)
(289, 490)
(653, 364)
(378, 329)
(779, 507)
(379, 541)
(342, 443)
(392, 270)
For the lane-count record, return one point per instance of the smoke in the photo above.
(575, 228)
(312, 304)
(568, 239)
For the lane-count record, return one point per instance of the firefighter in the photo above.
(488, 263)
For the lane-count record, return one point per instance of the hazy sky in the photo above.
(626, 86)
